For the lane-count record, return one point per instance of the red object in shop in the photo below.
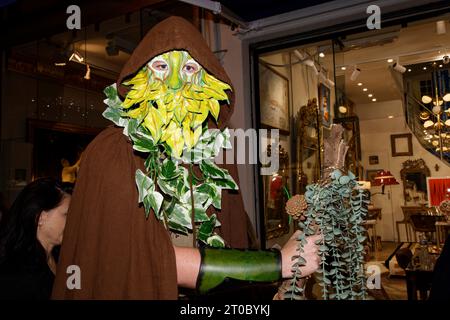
(384, 178)
(437, 190)
(276, 183)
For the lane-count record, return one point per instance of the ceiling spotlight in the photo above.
(370, 95)
(424, 68)
(322, 55)
(355, 74)
(365, 89)
(360, 84)
(409, 70)
(76, 57)
(399, 68)
(390, 60)
(374, 100)
(343, 68)
(390, 117)
(440, 66)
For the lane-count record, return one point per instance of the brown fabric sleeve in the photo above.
(121, 254)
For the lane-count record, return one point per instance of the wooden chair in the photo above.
(424, 224)
(406, 221)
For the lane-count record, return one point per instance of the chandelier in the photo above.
(436, 119)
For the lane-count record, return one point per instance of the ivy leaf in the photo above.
(169, 170)
(181, 215)
(200, 214)
(131, 128)
(216, 241)
(112, 115)
(211, 170)
(177, 227)
(210, 190)
(153, 200)
(225, 184)
(111, 92)
(218, 176)
(226, 139)
(168, 187)
(206, 229)
(143, 146)
(144, 184)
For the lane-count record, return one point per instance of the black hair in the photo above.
(18, 240)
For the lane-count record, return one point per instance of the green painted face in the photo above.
(175, 68)
(173, 94)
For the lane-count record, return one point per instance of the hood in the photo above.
(176, 33)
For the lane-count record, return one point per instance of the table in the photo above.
(374, 213)
(441, 228)
(417, 279)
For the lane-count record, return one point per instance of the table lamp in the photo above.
(384, 178)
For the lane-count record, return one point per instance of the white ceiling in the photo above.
(412, 45)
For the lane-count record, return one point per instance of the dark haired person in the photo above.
(29, 233)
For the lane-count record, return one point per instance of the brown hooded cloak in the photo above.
(121, 254)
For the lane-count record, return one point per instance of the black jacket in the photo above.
(25, 281)
(440, 289)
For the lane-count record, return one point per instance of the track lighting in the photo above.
(440, 27)
(398, 67)
(330, 83)
(355, 74)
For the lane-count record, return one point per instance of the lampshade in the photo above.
(384, 178)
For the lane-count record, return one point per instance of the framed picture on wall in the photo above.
(325, 105)
(274, 98)
(401, 144)
(373, 159)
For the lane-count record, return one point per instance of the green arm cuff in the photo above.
(247, 265)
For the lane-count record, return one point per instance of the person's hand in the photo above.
(310, 254)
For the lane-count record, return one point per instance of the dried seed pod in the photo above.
(296, 207)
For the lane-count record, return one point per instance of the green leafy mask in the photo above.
(164, 114)
(173, 95)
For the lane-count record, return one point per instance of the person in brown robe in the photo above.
(120, 253)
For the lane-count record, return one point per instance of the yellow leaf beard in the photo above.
(174, 117)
